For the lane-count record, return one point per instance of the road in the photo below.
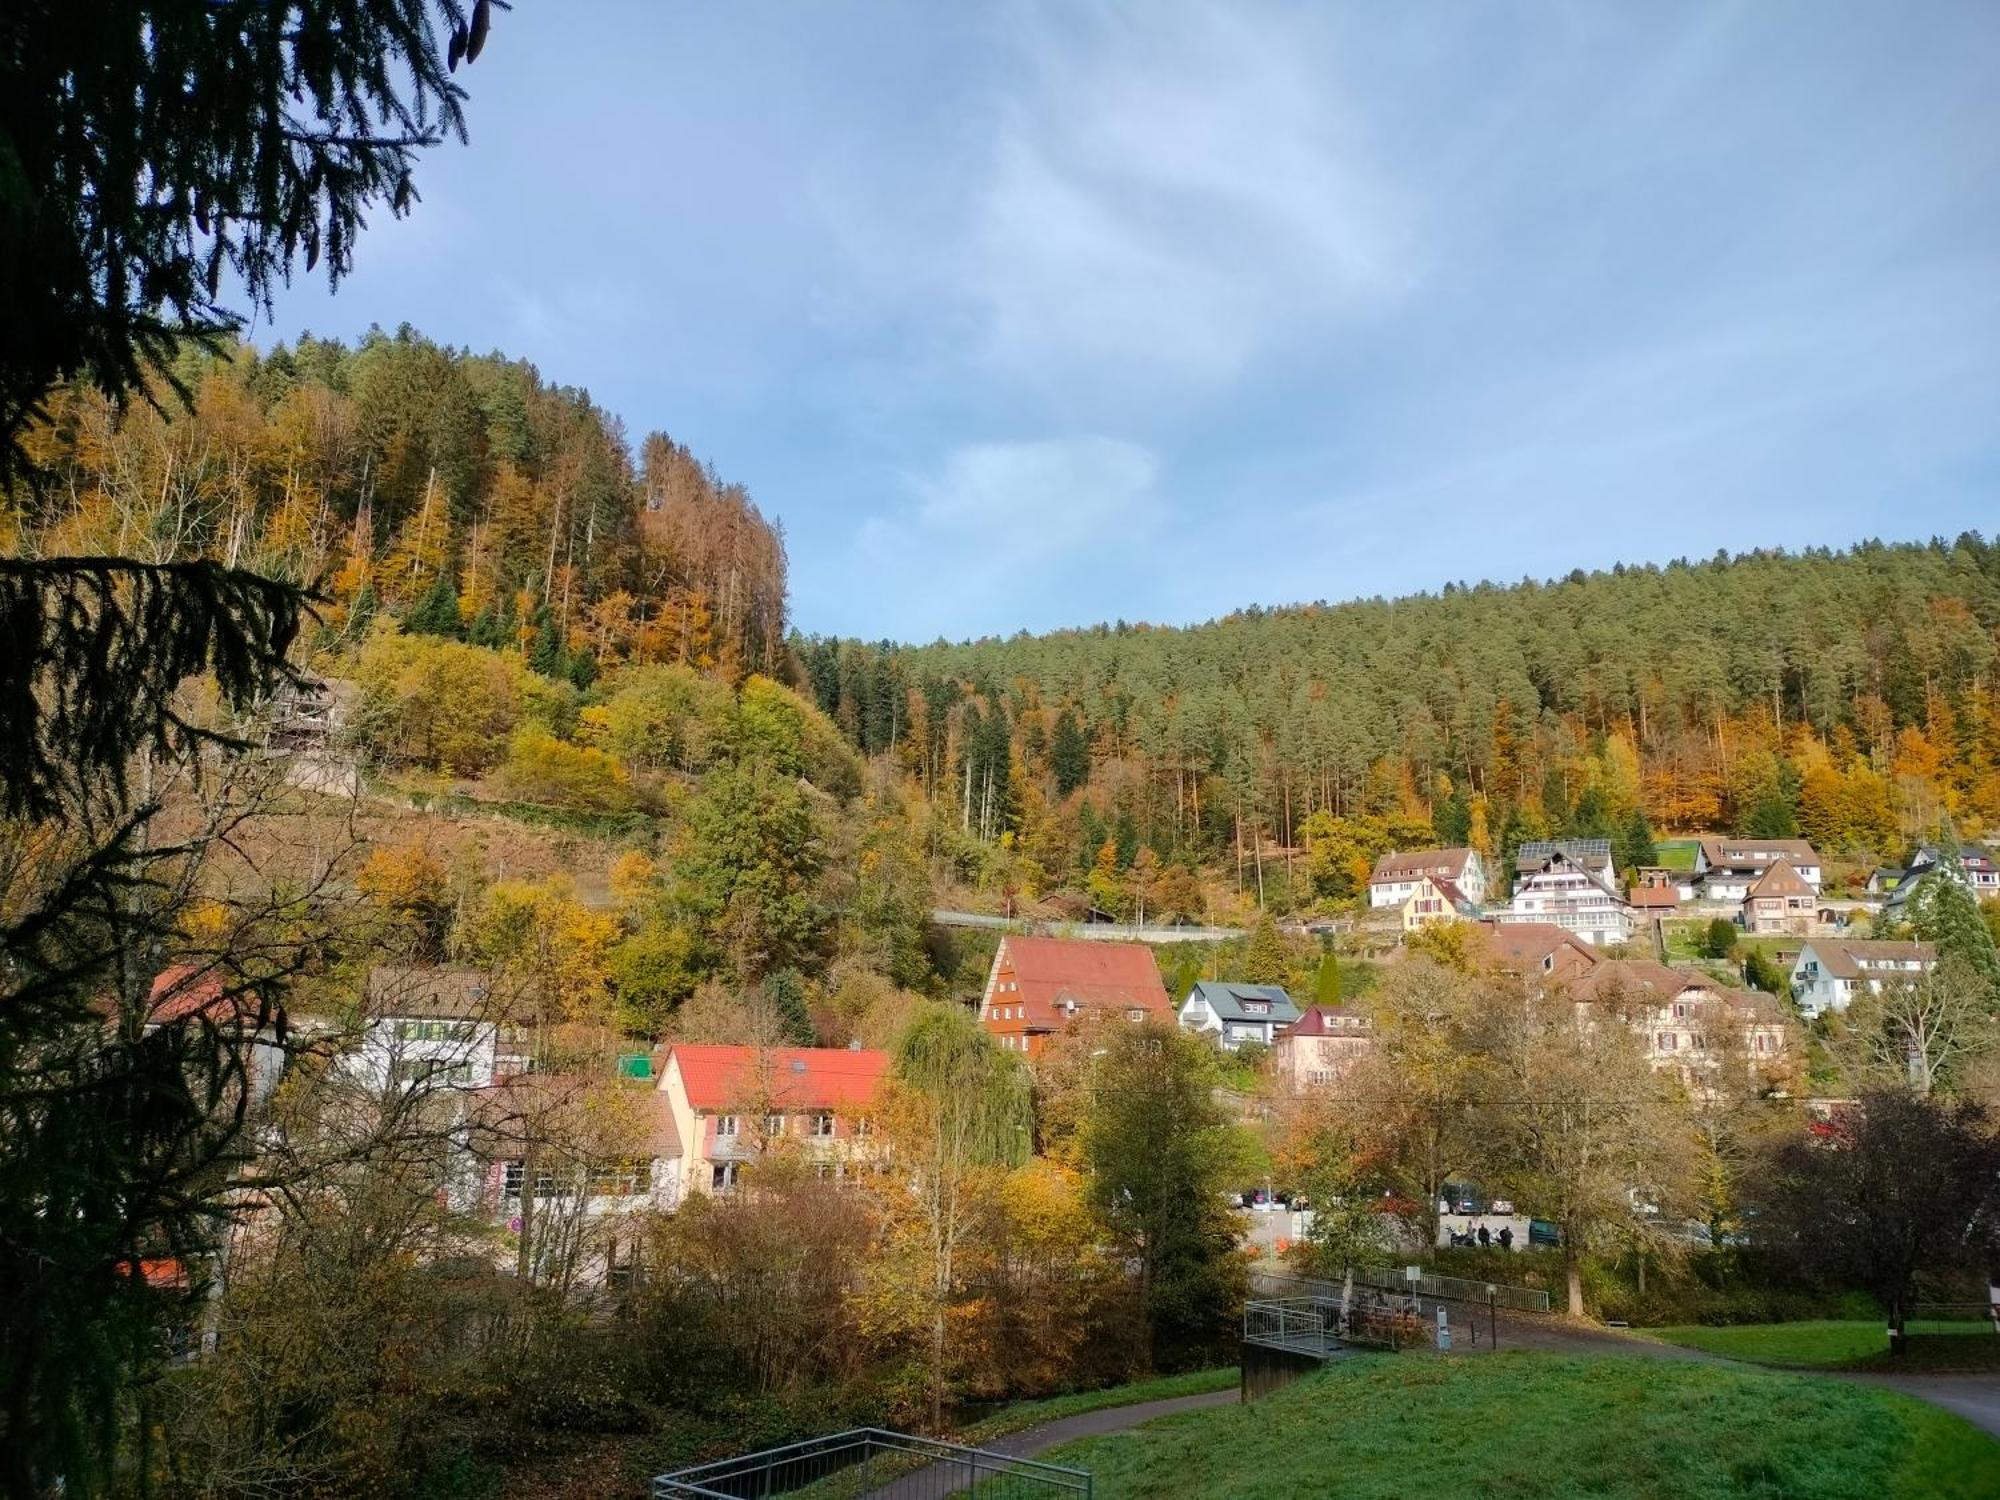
(1095, 932)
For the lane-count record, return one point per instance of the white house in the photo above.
(1727, 867)
(1828, 974)
(1592, 856)
(1978, 873)
(444, 1026)
(1396, 876)
(1567, 893)
(1237, 1013)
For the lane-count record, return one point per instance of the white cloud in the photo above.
(995, 516)
(1171, 190)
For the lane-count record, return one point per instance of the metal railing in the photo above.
(868, 1460)
(1454, 1289)
(1304, 1325)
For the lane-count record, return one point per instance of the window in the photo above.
(864, 1126)
(618, 1179)
(1135, 1014)
(774, 1125)
(722, 1176)
(1667, 1041)
(820, 1125)
(725, 1126)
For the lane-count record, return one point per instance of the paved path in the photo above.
(925, 1483)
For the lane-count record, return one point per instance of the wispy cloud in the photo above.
(1169, 190)
(995, 517)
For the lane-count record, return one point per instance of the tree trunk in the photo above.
(1573, 1273)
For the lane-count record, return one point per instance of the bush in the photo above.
(1719, 941)
(542, 768)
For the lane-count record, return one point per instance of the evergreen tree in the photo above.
(583, 668)
(1451, 819)
(436, 613)
(1773, 816)
(546, 654)
(362, 610)
(1069, 754)
(1634, 844)
(1326, 979)
(1943, 911)
(1265, 959)
(785, 990)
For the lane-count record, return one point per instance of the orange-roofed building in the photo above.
(732, 1104)
(1037, 986)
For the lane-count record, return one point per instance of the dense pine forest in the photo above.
(1849, 696)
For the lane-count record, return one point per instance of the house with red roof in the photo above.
(731, 1105)
(1038, 985)
(1319, 1048)
(196, 995)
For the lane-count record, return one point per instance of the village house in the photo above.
(187, 993)
(1540, 951)
(1779, 900)
(1590, 855)
(1234, 1013)
(1319, 1048)
(1397, 875)
(1690, 1024)
(1569, 892)
(1038, 985)
(1977, 872)
(437, 1026)
(1727, 867)
(1433, 900)
(732, 1105)
(600, 1145)
(1828, 973)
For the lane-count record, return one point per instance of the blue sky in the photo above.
(1030, 315)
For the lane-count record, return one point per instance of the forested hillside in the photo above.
(1850, 696)
(461, 491)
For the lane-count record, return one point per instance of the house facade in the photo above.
(1037, 986)
(1689, 1024)
(1569, 893)
(1977, 872)
(1396, 876)
(1237, 1014)
(1590, 855)
(1779, 900)
(1317, 1051)
(1436, 900)
(1727, 867)
(1829, 974)
(733, 1105)
(441, 1026)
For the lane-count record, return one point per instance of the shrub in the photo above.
(542, 768)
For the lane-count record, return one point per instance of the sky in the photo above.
(1022, 316)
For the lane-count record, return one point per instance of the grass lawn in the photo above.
(1844, 1345)
(1516, 1426)
(1024, 1414)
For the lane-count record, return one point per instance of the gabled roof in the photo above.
(1537, 852)
(432, 993)
(1778, 881)
(1057, 973)
(1848, 960)
(1226, 998)
(1524, 945)
(1319, 1020)
(184, 991)
(779, 1078)
(1755, 854)
(1448, 864)
(506, 1116)
(1638, 979)
(1654, 897)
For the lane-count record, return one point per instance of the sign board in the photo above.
(1413, 1274)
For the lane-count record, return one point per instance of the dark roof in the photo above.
(1446, 863)
(449, 994)
(1533, 854)
(1225, 998)
(1318, 1021)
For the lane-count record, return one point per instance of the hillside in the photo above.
(1852, 696)
(399, 474)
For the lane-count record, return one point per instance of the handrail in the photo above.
(792, 1466)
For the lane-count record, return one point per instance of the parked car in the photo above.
(1502, 1205)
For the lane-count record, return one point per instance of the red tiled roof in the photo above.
(185, 991)
(726, 1078)
(1530, 942)
(1315, 1022)
(1050, 971)
(1654, 896)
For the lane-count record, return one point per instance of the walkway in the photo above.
(1031, 1441)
